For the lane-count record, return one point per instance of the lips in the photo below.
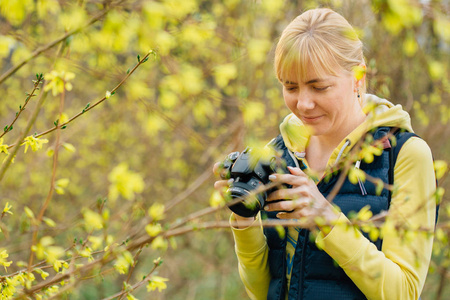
(311, 119)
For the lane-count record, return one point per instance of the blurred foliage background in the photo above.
(207, 88)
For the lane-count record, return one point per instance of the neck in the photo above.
(332, 140)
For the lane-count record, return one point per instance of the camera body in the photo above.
(250, 173)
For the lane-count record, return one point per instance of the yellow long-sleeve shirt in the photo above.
(399, 270)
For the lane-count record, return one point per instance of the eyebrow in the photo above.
(308, 82)
(315, 80)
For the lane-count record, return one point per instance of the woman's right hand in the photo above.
(221, 186)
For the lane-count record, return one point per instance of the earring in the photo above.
(359, 97)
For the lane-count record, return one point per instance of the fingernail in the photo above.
(272, 177)
(291, 169)
(230, 181)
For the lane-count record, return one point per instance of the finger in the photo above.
(279, 206)
(305, 221)
(288, 205)
(286, 215)
(221, 184)
(219, 170)
(291, 179)
(286, 194)
(216, 168)
(296, 171)
(300, 210)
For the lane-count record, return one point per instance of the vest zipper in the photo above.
(302, 264)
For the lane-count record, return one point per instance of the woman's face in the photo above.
(328, 105)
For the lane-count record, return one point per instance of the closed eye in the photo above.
(290, 88)
(321, 88)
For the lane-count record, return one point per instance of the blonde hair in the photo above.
(319, 37)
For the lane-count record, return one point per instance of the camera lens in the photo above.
(250, 203)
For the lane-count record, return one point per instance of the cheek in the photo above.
(289, 101)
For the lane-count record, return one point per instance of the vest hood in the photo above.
(380, 112)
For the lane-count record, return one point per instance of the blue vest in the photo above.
(315, 276)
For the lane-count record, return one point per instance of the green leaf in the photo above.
(86, 107)
(139, 58)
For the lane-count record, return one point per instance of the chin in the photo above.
(318, 130)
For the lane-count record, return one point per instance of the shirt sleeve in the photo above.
(399, 270)
(252, 253)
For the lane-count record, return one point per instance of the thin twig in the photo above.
(63, 125)
(31, 121)
(191, 188)
(140, 283)
(52, 185)
(38, 81)
(50, 45)
(132, 269)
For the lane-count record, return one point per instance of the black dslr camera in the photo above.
(250, 173)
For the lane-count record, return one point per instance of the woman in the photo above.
(315, 61)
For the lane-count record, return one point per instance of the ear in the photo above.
(360, 75)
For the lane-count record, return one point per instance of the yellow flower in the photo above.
(3, 148)
(29, 212)
(359, 72)
(123, 262)
(58, 81)
(60, 185)
(368, 151)
(92, 220)
(44, 249)
(224, 73)
(156, 211)
(7, 208)
(124, 182)
(354, 174)
(57, 264)
(365, 213)
(4, 254)
(157, 282)
(216, 199)
(34, 143)
(159, 243)
(440, 167)
(96, 242)
(42, 272)
(153, 229)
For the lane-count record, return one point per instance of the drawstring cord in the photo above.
(361, 185)
(347, 143)
(357, 165)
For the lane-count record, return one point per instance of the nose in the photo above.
(305, 101)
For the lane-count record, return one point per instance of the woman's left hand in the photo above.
(303, 200)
